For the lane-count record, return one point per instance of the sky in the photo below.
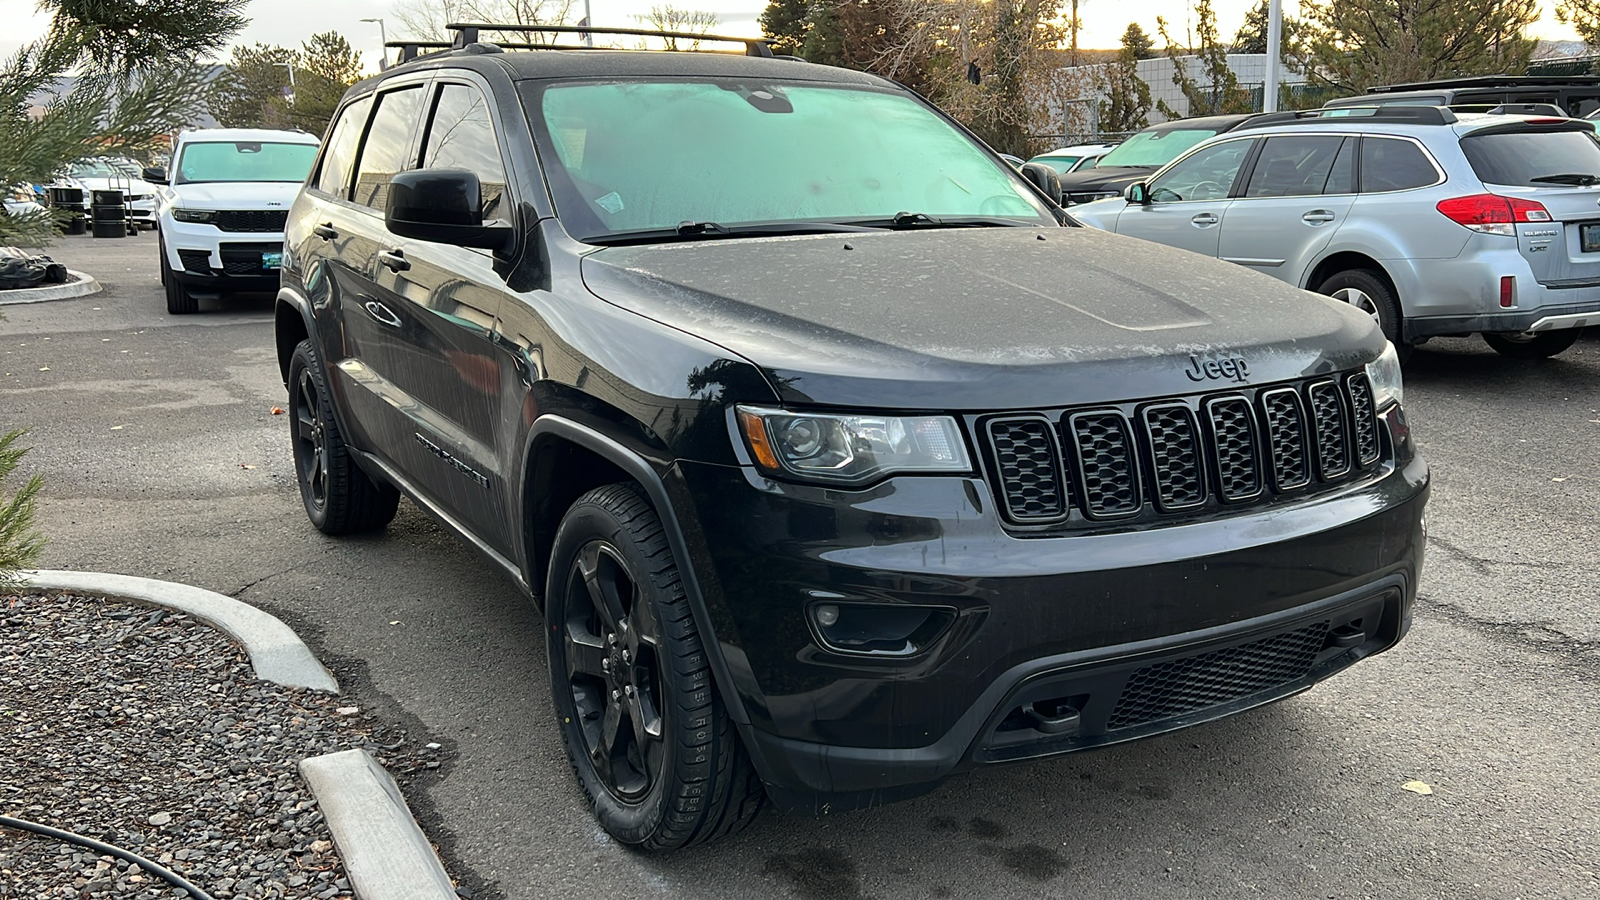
(290, 22)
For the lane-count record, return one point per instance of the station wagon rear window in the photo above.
(1534, 158)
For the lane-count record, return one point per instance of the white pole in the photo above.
(1269, 90)
(588, 19)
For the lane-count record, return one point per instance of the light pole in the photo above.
(290, 96)
(1269, 90)
(383, 44)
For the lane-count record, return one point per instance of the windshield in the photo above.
(642, 157)
(1062, 164)
(203, 161)
(91, 168)
(1154, 148)
(1534, 158)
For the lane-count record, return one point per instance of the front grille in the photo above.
(1105, 464)
(1183, 686)
(254, 220)
(1025, 453)
(1327, 421)
(196, 261)
(1183, 455)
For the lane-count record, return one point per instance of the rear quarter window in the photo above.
(1533, 158)
(1390, 164)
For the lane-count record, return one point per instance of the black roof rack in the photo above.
(410, 50)
(468, 33)
(1488, 81)
(1414, 115)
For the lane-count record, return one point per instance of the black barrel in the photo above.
(109, 216)
(69, 202)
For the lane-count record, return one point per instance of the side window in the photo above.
(388, 145)
(334, 176)
(461, 136)
(1342, 177)
(1205, 174)
(1388, 164)
(1293, 166)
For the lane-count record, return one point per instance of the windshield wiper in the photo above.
(909, 220)
(689, 230)
(1580, 179)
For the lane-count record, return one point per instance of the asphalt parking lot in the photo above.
(163, 459)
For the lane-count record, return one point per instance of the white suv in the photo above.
(222, 210)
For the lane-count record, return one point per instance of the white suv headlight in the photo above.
(198, 216)
(1384, 373)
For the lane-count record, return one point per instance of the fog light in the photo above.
(872, 629)
(827, 615)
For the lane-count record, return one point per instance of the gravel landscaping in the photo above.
(148, 730)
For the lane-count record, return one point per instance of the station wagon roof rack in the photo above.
(1415, 115)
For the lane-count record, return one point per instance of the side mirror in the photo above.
(1137, 193)
(444, 206)
(1044, 178)
(155, 175)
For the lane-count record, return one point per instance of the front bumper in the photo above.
(1060, 626)
(205, 259)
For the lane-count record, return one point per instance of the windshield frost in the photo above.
(649, 156)
(244, 161)
(1154, 148)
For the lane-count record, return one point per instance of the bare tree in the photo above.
(426, 19)
(667, 17)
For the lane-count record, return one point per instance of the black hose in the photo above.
(167, 875)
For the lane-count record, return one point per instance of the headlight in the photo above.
(851, 449)
(1384, 373)
(201, 216)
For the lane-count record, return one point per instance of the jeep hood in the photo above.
(235, 194)
(982, 318)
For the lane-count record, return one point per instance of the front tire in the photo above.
(179, 301)
(1531, 344)
(1370, 294)
(338, 496)
(648, 736)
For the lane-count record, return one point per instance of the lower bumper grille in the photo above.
(1185, 685)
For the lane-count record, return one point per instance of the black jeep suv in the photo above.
(838, 459)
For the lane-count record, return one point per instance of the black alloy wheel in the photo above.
(1531, 344)
(339, 498)
(649, 738)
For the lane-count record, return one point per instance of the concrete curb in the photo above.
(386, 856)
(276, 652)
(83, 287)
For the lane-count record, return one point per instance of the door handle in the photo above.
(394, 260)
(1317, 217)
(382, 313)
(325, 231)
(1205, 220)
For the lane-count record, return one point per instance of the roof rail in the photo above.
(410, 50)
(1415, 115)
(468, 33)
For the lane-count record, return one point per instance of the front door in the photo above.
(1190, 199)
(1299, 191)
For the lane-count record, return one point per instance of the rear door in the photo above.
(1299, 190)
(1189, 199)
(1556, 165)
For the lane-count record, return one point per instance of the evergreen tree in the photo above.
(135, 80)
(787, 22)
(1136, 42)
(1352, 45)
(253, 89)
(1217, 90)
(20, 543)
(1584, 16)
(326, 69)
(1126, 106)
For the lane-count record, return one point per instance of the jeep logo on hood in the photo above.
(1230, 368)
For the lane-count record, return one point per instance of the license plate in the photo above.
(1589, 237)
(272, 260)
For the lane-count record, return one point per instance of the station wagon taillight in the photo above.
(1492, 213)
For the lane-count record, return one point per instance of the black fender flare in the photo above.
(640, 470)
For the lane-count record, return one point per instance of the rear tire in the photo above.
(648, 735)
(1367, 292)
(1531, 344)
(338, 496)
